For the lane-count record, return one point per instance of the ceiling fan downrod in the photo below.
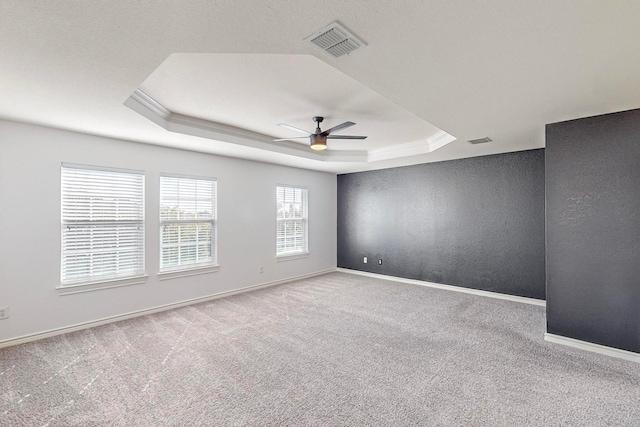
(318, 120)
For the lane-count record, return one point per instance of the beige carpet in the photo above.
(337, 349)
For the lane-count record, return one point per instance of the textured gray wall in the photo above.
(476, 223)
(593, 229)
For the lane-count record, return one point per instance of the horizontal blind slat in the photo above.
(102, 224)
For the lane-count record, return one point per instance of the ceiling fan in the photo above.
(318, 139)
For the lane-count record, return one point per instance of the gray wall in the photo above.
(593, 229)
(476, 223)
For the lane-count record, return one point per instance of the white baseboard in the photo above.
(525, 300)
(77, 327)
(594, 348)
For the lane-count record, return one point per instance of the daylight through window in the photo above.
(292, 218)
(187, 222)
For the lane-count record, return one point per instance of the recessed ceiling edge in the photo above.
(152, 110)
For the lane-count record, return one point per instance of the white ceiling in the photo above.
(473, 69)
(250, 94)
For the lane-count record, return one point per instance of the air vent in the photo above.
(335, 40)
(480, 140)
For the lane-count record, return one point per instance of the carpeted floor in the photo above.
(336, 349)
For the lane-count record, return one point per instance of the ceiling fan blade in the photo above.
(284, 125)
(337, 128)
(345, 137)
(293, 137)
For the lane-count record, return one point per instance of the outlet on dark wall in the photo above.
(593, 229)
(476, 223)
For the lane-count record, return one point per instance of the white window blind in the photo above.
(187, 222)
(292, 218)
(102, 224)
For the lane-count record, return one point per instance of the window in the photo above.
(291, 238)
(102, 224)
(187, 223)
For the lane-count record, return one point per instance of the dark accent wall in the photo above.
(593, 229)
(476, 223)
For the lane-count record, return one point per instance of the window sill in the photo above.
(291, 257)
(104, 284)
(174, 274)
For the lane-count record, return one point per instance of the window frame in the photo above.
(304, 252)
(191, 268)
(100, 281)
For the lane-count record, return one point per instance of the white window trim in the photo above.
(190, 269)
(304, 253)
(87, 284)
(99, 285)
(292, 256)
(186, 272)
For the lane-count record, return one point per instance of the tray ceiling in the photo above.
(489, 68)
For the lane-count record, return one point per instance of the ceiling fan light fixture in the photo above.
(318, 142)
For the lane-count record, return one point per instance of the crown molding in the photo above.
(439, 140)
(152, 110)
(149, 108)
(432, 143)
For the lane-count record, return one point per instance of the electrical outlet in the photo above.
(379, 262)
(261, 269)
(365, 260)
(4, 313)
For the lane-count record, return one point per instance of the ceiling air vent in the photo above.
(479, 140)
(335, 40)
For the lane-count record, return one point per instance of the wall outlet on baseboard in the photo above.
(4, 313)
(379, 262)
(365, 260)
